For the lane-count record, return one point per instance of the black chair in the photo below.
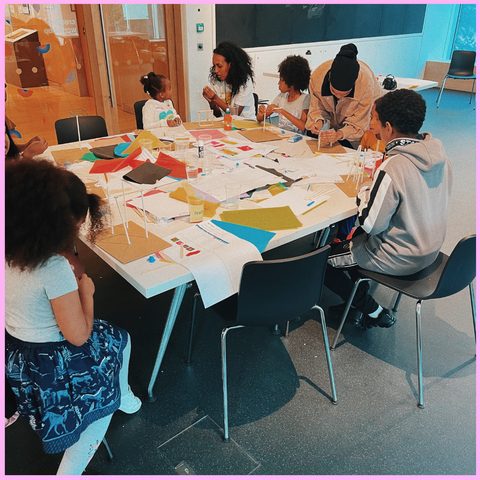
(271, 292)
(446, 276)
(90, 127)
(461, 68)
(138, 106)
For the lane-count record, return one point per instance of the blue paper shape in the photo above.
(258, 237)
(120, 148)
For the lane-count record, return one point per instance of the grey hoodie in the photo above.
(404, 212)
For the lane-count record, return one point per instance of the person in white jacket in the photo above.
(159, 110)
(402, 213)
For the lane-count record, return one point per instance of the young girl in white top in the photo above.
(291, 104)
(68, 370)
(158, 111)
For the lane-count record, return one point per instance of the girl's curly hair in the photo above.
(152, 83)
(44, 205)
(295, 72)
(404, 109)
(240, 65)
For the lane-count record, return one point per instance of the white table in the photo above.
(417, 83)
(175, 276)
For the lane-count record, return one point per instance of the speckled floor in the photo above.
(281, 419)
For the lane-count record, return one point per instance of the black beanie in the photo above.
(345, 68)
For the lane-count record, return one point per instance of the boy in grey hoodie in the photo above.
(402, 213)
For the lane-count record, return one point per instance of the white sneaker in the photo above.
(129, 403)
(9, 421)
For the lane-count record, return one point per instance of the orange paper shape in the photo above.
(71, 156)
(117, 245)
(176, 166)
(107, 166)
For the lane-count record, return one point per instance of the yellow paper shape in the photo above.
(180, 193)
(276, 218)
(276, 189)
(226, 151)
(117, 245)
(144, 135)
(72, 155)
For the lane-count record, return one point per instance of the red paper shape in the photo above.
(107, 166)
(176, 166)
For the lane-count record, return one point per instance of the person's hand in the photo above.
(208, 94)
(331, 135)
(174, 122)
(36, 147)
(32, 140)
(262, 110)
(86, 286)
(317, 126)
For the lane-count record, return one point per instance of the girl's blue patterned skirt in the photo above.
(60, 388)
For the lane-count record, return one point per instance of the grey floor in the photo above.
(281, 418)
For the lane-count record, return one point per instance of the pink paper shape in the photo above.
(215, 134)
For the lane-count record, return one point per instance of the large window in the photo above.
(466, 28)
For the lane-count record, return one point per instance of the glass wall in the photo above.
(465, 35)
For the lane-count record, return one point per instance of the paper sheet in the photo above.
(278, 218)
(117, 245)
(248, 178)
(215, 258)
(298, 199)
(161, 205)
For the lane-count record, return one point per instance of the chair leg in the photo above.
(226, 437)
(192, 327)
(327, 353)
(110, 454)
(471, 93)
(323, 238)
(287, 328)
(397, 301)
(419, 354)
(472, 301)
(345, 312)
(441, 91)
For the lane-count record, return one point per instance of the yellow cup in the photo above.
(195, 205)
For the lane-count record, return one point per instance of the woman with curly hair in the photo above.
(231, 81)
(68, 370)
(291, 104)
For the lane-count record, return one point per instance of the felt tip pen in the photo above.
(193, 253)
(311, 203)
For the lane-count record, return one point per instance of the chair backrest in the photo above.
(462, 63)
(255, 99)
(460, 269)
(138, 106)
(275, 291)
(90, 127)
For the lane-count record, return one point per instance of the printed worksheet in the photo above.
(215, 258)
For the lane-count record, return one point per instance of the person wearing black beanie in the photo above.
(342, 92)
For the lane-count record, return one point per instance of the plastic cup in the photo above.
(195, 205)
(192, 172)
(181, 147)
(146, 144)
(232, 192)
(233, 110)
(206, 161)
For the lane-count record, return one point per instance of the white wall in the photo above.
(401, 55)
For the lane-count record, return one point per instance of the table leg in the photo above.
(172, 316)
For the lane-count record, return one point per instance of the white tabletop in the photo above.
(338, 207)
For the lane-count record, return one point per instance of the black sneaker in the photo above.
(384, 320)
(354, 316)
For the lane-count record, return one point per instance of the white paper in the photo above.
(161, 205)
(298, 199)
(217, 267)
